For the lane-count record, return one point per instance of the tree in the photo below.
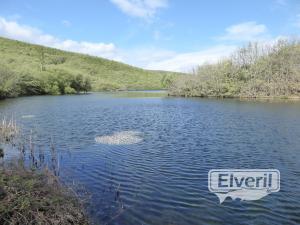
(30, 85)
(77, 83)
(42, 58)
(7, 83)
(166, 80)
(87, 84)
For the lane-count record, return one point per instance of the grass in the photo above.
(28, 197)
(43, 70)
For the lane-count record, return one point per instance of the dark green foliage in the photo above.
(57, 60)
(29, 85)
(87, 84)
(80, 83)
(252, 71)
(167, 80)
(8, 83)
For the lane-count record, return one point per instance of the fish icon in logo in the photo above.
(246, 185)
(244, 194)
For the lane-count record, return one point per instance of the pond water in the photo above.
(157, 174)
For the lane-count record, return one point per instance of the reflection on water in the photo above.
(27, 116)
(140, 94)
(163, 178)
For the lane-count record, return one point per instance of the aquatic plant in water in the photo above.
(28, 116)
(121, 138)
(8, 130)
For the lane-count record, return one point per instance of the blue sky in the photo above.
(154, 34)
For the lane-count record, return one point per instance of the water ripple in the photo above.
(156, 152)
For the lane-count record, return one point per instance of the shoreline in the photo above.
(258, 98)
(292, 98)
(90, 92)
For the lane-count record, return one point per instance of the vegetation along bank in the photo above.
(254, 71)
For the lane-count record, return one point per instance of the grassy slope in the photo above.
(22, 57)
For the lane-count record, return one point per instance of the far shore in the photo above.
(291, 98)
(254, 98)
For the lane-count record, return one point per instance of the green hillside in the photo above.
(27, 69)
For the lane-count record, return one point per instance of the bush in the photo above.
(81, 83)
(106, 86)
(69, 91)
(54, 90)
(29, 85)
(58, 60)
(8, 86)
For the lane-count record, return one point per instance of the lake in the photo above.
(161, 178)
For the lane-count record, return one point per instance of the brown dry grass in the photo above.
(28, 197)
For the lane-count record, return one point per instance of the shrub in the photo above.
(29, 85)
(58, 60)
(8, 86)
(68, 90)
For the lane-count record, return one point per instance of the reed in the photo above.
(30, 189)
(8, 129)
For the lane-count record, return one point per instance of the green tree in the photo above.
(41, 58)
(29, 85)
(77, 83)
(8, 86)
(87, 84)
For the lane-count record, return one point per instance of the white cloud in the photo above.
(14, 30)
(142, 57)
(248, 31)
(185, 62)
(144, 9)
